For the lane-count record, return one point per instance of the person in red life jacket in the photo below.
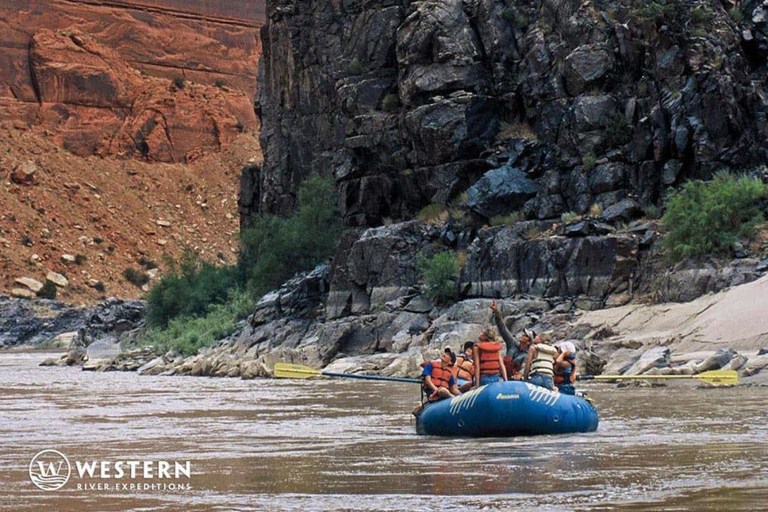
(565, 367)
(465, 366)
(439, 381)
(517, 349)
(489, 364)
(540, 366)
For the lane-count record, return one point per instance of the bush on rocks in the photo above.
(708, 217)
(441, 275)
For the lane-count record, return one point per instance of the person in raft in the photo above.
(565, 367)
(517, 349)
(465, 366)
(489, 363)
(540, 366)
(439, 381)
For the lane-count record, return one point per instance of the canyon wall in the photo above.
(161, 80)
(584, 103)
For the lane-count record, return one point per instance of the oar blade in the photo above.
(719, 377)
(294, 371)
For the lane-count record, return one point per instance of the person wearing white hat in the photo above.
(565, 367)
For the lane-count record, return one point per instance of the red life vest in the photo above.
(440, 377)
(489, 357)
(465, 368)
(561, 373)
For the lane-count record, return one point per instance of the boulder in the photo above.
(57, 279)
(657, 357)
(500, 191)
(24, 173)
(716, 361)
(624, 210)
(586, 65)
(23, 293)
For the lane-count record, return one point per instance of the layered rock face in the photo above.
(98, 77)
(598, 102)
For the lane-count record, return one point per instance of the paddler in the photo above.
(439, 381)
(517, 349)
(565, 367)
(465, 367)
(539, 367)
(489, 364)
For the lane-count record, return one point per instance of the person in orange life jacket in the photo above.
(439, 381)
(539, 368)
(517, 350)
(489, 363)
(565, 367)
(465, 367)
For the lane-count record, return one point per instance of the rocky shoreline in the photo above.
(366, 313)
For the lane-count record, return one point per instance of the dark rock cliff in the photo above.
(597, 102)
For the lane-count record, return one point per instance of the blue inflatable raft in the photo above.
(511, 408)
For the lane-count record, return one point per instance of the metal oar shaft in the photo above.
(372, 377)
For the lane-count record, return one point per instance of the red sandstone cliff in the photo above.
(98, 75)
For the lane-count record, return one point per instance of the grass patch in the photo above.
(595, 211)
(433, 213)
(708, 217)
(570, 217)
(356, 67)
(507, 220)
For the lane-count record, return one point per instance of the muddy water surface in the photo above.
(346, 445)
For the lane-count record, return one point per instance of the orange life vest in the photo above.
(465, 368)
(440, 377)
(489, 357)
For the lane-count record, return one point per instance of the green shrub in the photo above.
(240, 127)
(219, 83)
(736, 15)
(570, 217)
(653, 212)
(179, 82)
(700, 15)
(48, 291)
(80, 259)
(589, 161)
(514, 17)
(188, 290)
(707, 217)
(507, 220)
(618, 131)
(188, 334)
(274, 248)
(135, 277)
(441, 275)
(356, 67)
(656, 11)
(390, 103)
(147, 263)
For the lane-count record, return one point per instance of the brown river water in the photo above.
(340, 444)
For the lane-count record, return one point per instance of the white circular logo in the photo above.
(49, 470)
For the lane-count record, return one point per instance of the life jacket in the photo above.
(489, 357)
(465, 367)
(568, 374)
(544, 362)
(441, 378)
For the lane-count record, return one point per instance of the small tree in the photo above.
(441, 275)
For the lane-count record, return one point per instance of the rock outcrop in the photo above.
(98, 77)
(599, 102)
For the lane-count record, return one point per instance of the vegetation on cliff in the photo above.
(198, 303)
(709, 217)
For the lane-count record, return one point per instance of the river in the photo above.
(341, 444)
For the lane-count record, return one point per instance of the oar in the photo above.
(729, 377)
(297, 371)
